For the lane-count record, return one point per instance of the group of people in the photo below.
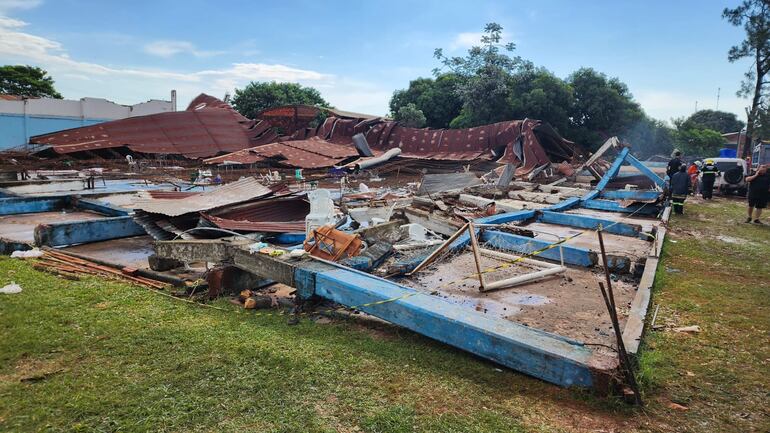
(683, 180)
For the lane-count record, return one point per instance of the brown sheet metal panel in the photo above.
(199, 133)
(343, 131)
(236, 192)
(323, 148)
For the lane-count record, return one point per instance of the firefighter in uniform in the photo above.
(709, 174)
(679, 187)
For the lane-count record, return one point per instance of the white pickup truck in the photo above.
(732, 175)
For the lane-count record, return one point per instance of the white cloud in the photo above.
(76, 79)
(172, 48)
(8, 5)
(466, 40)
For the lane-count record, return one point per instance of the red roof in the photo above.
(208, 127)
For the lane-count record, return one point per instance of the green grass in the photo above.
(103, 356)
(723, 286)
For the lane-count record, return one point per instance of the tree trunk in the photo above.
(749, 140)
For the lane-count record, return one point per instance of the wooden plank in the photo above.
(476, 255)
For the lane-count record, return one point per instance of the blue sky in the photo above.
(670, 53)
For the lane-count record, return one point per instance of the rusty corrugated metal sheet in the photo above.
(279, 215)
(236, 192)
(312, 153)
(208, 127)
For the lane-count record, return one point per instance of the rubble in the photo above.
(499, 262)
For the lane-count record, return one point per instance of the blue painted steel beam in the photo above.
(589, 222)
(20, 205)
(100, 207)
(572, 255)
(563, 205)
(80, 232)
(608, 176)
(524, 245)
(534, 352)
(613, 206)
(646, 171)
(622, 194)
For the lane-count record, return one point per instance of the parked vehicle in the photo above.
(732, 175)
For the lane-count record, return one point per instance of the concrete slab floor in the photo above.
(570, 305)
(21, 227)
(130, 252)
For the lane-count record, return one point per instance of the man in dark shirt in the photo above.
(674, 164)
(679, 187)
(709, 174)
(759, 192)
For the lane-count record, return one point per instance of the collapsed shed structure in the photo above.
(288, 137)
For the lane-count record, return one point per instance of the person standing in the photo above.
(674, 163)
(679, 188)
(693, 170)
(709, 174)
(759, 192)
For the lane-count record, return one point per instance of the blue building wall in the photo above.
(15, 129)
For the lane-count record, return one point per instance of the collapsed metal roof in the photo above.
(526, 143)
(206, 128)
(210, 128)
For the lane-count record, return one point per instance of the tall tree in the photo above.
(485, 72)
(536, 93)
(411, 116)
(259, 96)
(603, 107)
(721, 121)
(28, 81)
(435, 98)
(754, 16)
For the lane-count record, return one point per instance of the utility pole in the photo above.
(719, 90)
(696, 106)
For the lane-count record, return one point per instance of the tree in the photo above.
(721, 121)
(699, 142)
(411, 116)
(28, 81)
(259, 96)
(435, 98)
(754, 16)
(603, 107)
(485, 73)
(536, 93)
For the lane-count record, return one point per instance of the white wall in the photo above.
(86, 108)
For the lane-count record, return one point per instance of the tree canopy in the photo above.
(754, 17)
(484, 77)
(259, 96)
(490, 84)
(436, 98)
(28, 81)
(411, 116)
(721, 121)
